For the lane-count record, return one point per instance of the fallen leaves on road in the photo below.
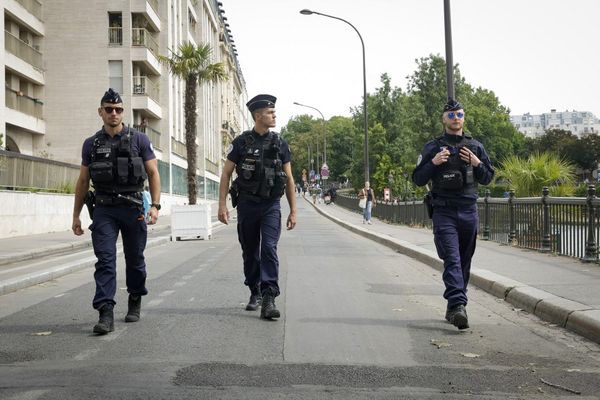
(47, 333)
(439, 344)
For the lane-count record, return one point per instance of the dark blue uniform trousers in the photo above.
(455, 233)
(108, 221)
(259, 229)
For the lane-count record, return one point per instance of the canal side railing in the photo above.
(568, 226)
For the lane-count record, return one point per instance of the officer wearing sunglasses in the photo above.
(117, 160)
(455, 164)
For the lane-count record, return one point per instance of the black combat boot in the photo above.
(457, 316)
(268, 310)
(255, 299)
(106, 322)
(134, 305)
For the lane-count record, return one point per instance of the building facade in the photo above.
(59, 60)
(579, 123)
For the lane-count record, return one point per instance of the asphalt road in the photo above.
(358, 321)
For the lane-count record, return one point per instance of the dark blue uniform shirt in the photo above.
(140, 143)
(425, 169)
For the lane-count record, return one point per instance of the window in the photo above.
(115, 29)
(115, 75)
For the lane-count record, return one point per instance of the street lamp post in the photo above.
(366, 140)
(449, 60)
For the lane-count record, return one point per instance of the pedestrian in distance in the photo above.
(368, 194)
(117, 160)
(261, 160)
(456, 164)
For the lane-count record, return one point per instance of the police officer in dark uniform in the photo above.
(455, 163)
(118, 160)
(261, 159)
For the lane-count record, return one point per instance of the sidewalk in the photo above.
(561, 290)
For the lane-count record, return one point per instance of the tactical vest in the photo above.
(260, 171)
(454, 177)
(116, 167)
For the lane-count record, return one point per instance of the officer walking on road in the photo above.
(117, 159)
(261, 159)
(455, 163)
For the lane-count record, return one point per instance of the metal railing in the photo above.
(25, 104)
(568, 226)
(33, 6)
(115, 36)
(152, 133)
(143, 37)
(178, 148)
(145, 86)
(23, 50)
(18, 171)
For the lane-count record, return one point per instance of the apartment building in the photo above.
(60, 59)
(580, 123)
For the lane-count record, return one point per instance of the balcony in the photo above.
(25, 104)
(22, 50)
(178, 148)
(142, 37)
(115, 36)
(144, 86)
(33, 6)
(152, 133)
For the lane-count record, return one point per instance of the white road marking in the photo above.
(179, 284)
(86, 354)
(154, 302)
(166, 293)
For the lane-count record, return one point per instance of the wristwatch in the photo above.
(155, 205)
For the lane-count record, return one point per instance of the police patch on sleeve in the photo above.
(229, 148)
(419, 159)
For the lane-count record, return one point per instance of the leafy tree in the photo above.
(528, 176)
(585, 153)
(194, 65)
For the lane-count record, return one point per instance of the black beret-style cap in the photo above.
(261, 101)
(111, 96)
(452, 105)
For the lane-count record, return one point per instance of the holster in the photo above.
(235, 194)
(90, 202)
(428, 203)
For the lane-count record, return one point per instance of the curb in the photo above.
(21, 282)
(576, 317)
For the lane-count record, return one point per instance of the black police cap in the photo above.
(261, 101)
(111, 96)
(452, 105)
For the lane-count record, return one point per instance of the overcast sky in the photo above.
(534, 54)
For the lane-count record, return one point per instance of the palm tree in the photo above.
(528, 176)
(193, 64)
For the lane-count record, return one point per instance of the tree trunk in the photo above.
(190, 135)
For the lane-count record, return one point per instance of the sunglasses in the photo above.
(453, 114)
(109, 110)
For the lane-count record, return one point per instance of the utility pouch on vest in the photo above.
(137, 169)
(101, 171)
(428, 203)
(123, 169)
(451, 179)
(280, 184)
(469, 175)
